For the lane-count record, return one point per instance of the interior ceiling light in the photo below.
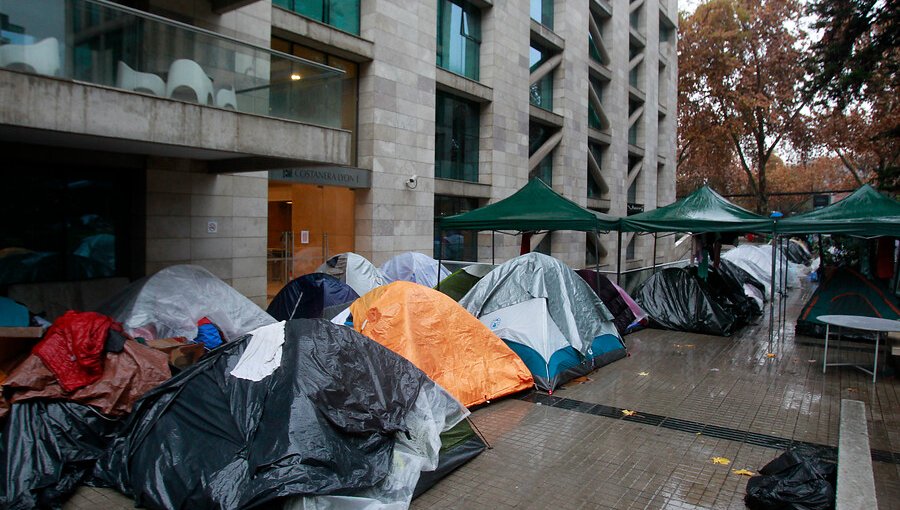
(295, 76)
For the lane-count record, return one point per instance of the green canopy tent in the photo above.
(534, 208)
(865, 213)
(702, 211)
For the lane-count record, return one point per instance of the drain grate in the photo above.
(693, 427)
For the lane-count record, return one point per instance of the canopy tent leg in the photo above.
(821, 269)
(654, 253)
(772, 297)
(492, 247)
(525, 248)
(597, 253)
(440, 255)
(619, 259)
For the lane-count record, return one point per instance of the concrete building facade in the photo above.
(258, 138)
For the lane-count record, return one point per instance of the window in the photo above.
(542, 12)
(454, 244)
(541, 92)
(458, 37)
(344, 117)
(456, 138)
(71, 222)
(341, 14)
(593, 188)
(538, 134)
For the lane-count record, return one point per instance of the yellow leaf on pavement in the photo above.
(626, 412)
(770, 354)
(721, 460)
(643, 373)
(743, 472)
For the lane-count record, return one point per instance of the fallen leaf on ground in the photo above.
(811, 361)
(627, 412)
(684, 346)
(643, 373)
(721, 460)
(743, 472)
(578, 380)
(770, 354)
(713, 369)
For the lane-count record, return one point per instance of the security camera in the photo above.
(412, 182)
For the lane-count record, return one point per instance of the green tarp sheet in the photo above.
(702, 211)
(865, 213)
(533, 208)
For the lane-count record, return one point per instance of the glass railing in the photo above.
(99, 42)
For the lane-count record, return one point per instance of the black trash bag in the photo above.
(794, 481)
(675, 299)
(322, 423)
(48, 449)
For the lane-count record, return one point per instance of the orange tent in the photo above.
(441, 338)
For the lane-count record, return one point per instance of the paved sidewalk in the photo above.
(695, 397)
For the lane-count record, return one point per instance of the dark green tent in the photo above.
(866, 213)
(846, 292)
(461, 281)
(702, 211)
(533, 208)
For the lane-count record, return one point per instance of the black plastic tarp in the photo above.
(727, 282)
(458, 446)
(322, 423)
(308, 296)
(676, 299)
(607, 292)
(47, 449)
(796, 480)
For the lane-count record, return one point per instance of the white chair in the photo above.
(226, 98)
(41, 57)
(185, 73)
(129, 79)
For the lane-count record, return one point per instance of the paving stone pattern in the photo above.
(552, 452)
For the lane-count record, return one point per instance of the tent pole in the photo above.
(619, 259)
(772, 295)
(821, 259)
(492, 247)
(786, 266)
(440, 256)
(597, 257)
(654, 253)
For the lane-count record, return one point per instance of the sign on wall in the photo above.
(347, 177)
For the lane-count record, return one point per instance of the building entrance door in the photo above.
(307, 225)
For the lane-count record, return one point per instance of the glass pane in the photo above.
(459, 38)
(454, 244)
(456, 138)
(314, 9)
(544, 170)
(105, 45)
(593, 118)
(542, 12)
(541, 93)
(344, 15)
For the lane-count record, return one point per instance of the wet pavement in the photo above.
(694, 397)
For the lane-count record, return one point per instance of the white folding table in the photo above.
(876, 325)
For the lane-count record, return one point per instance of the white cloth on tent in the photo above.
(354, 270)
(342, 317)
(528, 323)
(262, 354)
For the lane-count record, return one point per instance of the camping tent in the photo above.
(757, 262)
(354, 270)
(676, 299)
(298, 409)
(844, 291)
(462, 280)
(623, 316)
(414, 267)
(308, 296)
(738, 277)
(549, 316)
(865, 213)
(172, 301)
(442, 339)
